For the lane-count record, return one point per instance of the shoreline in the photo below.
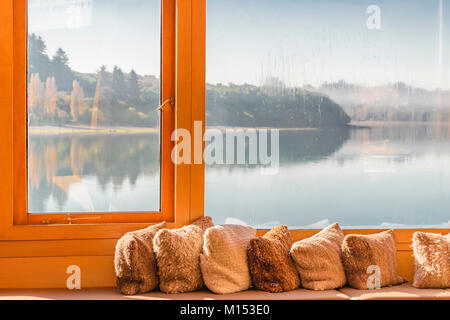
(86, 130)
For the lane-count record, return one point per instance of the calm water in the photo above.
(387, 175)
(93, 173)
(396, 175)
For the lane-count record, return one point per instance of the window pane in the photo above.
(361, 93)
(93, 87)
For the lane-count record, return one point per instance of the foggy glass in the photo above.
(360, 91)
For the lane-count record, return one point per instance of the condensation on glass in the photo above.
(360, 91)
(93, 87)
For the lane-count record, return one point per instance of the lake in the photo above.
(388, 175)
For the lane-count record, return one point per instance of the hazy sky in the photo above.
(299, 41)
(303, 41)
(101, 32)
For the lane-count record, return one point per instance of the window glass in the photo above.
(93, 87)
(360, 93)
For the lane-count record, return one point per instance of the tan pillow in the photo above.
(363, 255)
(432, 260)
(270, 262)
(318, 259)
(134, 261)
(224, 259)
(178, 256)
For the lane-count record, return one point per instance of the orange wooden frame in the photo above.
(166, 213)
(181, 76)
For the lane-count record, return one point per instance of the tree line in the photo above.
(57, 95)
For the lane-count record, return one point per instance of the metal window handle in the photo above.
(69, 219)
(171, 101)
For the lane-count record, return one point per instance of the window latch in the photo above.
(69, 219)
(170, 101)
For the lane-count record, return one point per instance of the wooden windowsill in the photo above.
(401, 292)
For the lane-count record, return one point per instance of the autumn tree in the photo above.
(50, 97)
(101, 74)
(35, 91)
(76, 100)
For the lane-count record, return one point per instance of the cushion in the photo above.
(178, 256)
(318, 259)
(270, 262)
(134, 261)
(363, 255)
(432, 260)
(224, 259)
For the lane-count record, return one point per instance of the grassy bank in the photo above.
(72, 129)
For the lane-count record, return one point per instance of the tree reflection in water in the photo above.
(58, 162)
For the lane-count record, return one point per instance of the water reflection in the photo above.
(93, 172)
(385, 175)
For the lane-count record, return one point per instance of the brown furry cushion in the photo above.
(178, 255)
(361, 251)
(270, 262)
(224, 259)
(318, 259)
(432, 260)
(134, 261)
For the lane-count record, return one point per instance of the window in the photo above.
(97, 147)
(359, 91)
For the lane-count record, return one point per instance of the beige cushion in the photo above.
(432, 260)
(134, 261)
(224, 260)
(360, 253)
(178, 255)
(318, 259)
(401, 292)
(270, 262)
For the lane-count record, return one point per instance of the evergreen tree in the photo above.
(134, 90)
(61, 70)
(38, 60)
(118, 84)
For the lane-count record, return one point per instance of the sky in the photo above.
(299, 41)
(125, 33)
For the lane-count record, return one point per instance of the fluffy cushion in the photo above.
(270, 262)
(361, 251)
(134, 261)
(224, 259)
(178, 255)
(432, 260)
(318, 259)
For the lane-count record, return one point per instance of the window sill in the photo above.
(401, 292)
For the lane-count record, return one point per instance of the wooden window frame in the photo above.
(182, 64)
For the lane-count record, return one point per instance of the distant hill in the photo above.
(252, 106)
(395, 102)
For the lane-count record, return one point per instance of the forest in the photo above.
(58, 96)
